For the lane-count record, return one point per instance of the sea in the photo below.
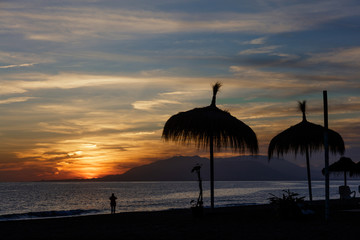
(35, 200)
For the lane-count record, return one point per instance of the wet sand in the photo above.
(245, 222)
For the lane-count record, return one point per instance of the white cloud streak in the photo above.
(15, 100)
(348, 56)
(62, 81)
(261, 50)
(150, 105)
(256, 41)
(19, 65)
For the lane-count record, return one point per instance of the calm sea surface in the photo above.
(56, 199)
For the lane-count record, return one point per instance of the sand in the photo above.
(245, 222)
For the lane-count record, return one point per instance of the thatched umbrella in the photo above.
(356, 171)
(344, 165)
(305, 137)
(210, 127)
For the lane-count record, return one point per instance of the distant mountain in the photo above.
(240, 168)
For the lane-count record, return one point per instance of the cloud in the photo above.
(34, 81)
(177, 93)
(15, 100)
(151, 105)
(285, 84)
(349, 57)
(24, 82)
(261, 50)
(109, 56)
(270, 51)
(256, 41)
(19, 65)
(63, 24)
(17, 59)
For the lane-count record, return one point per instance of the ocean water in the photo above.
(34, 200)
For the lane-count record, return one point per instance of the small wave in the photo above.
(47, 214)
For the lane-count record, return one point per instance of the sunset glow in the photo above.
(86, 87)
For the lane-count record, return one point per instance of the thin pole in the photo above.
(345, 181)
(308, 173)
(326, 148)
(201, 190)
(212, 172)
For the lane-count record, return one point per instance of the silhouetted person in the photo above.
(113, 203)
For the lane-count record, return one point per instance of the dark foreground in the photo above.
(246, 222)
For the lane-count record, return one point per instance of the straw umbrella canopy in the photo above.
(305, 138)
(210, 127)
(356, 171)
(343, 165)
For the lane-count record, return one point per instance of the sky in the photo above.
(86, 86)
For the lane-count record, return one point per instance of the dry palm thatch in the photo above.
(356, 171)
(305, 137)
(200, 124)
(210, 127)
(344, 165)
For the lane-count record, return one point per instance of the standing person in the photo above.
(112, 203)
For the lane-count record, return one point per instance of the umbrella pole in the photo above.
(212, 171)
(345, 180)
(308, 173)
(326, 148)
(201, 190)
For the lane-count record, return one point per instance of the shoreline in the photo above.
(58, 214)
(246, 222)
(53, 214)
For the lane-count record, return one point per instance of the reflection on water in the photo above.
(93, 197)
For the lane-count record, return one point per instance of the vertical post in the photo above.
(345, 180)
(212, 172)
(201, 191)
(326, 148)
(308, 172)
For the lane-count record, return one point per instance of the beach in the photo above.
(243, 222)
